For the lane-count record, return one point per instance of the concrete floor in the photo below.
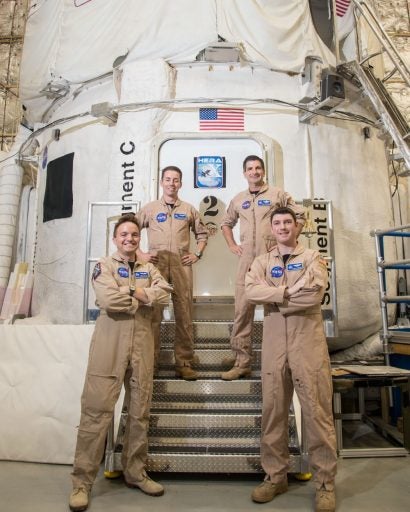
(372, 484)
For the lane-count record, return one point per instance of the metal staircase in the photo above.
(361, 73)
(209, 425)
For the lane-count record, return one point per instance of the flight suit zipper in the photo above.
(131, 278)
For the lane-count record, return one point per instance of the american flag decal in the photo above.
(214, 119)
(341, 7)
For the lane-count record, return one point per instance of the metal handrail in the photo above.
(390, 231)
(363, 7)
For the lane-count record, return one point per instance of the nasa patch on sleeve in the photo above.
(96, 271)
(276, 272)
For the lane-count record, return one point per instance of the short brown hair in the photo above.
(171, 168)
(127, 217)
(251, 158)
(282, 210)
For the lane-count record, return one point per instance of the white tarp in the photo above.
(279, 34)
(42, 372)
(76, 43)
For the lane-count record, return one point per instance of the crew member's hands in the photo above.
(141, 296)
(153, 257)
(189, 259)
(148, 257)
(236, 249)
(295, 288)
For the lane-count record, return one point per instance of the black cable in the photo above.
(349, 115)
(8, 157)
(396, 178)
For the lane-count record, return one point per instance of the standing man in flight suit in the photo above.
(290, 281)
(169, 222)
(121, 350)
(252, 208)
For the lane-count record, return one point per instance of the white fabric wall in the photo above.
(356, 181)
(42, 372)
(65, 42)
(279, 34)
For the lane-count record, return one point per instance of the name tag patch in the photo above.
(246, 205)
(264, 202)
(141, 275)
(180, 216)
(294, 266)
(161, 217)
(123, 272)
(276, 272)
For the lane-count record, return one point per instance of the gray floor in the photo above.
(372, 484)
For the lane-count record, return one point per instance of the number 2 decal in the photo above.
(211, 209)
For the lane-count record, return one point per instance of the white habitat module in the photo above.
(114, 92)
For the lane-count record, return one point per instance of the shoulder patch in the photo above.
(322, 261)
(96, 271)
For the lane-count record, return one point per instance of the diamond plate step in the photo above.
(247, 424)
(173, 437)
(210, 463)
(212, 433)
(210, 374)
(206, 395)
(209, 363)
(209, 334)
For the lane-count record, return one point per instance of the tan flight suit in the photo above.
(169, 231)
(122, 348)
(294, 356)
(253, 212)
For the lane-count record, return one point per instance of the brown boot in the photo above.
(236, 373)
(186, 373)
(325, 500)
(79, 499)
(267, 490)
(228, 361)
(147, 486)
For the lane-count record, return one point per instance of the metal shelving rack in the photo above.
(382, 266)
